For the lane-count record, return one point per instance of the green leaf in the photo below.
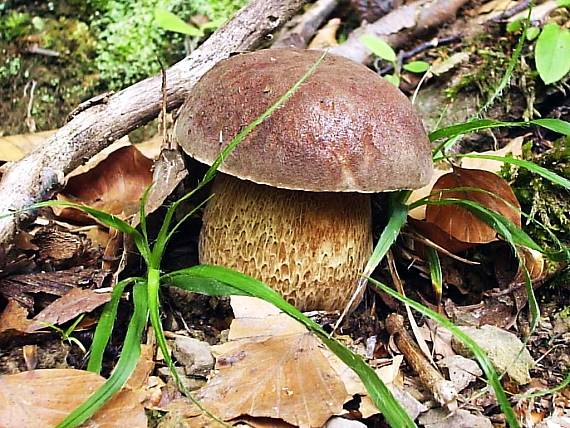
(393, 79)
(241, 284)
(417, 66)
(378, 47)
(532, 33)
(125, 366)
(171, 22)
(514, 26)
(552, 53)
(563, 3)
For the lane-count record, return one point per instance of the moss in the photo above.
(545, 202)
(101, 45)
(130, 42)
(490, 55)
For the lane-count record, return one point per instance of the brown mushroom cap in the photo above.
(345, 130)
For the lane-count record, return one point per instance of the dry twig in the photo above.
(443, 390)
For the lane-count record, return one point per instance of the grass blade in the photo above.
(105, 326)
(435, 273)
(451, 131)
(125, 366)
(237, 283)
(398, 212)
(479, 354)
(531, 166)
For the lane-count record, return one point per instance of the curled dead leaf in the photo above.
(495, 195)
(115, 185)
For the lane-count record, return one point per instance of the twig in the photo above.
(400, 26)
(41, 173)
(400, 287)
(307, 25)
(443, 390)
(512, 11)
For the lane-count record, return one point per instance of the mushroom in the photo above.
(292, 207)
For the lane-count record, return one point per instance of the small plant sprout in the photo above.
(384, 51)
(66, 333)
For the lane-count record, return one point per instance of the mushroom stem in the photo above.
(308, 246)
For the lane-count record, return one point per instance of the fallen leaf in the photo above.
(440, 338)
(505, 351)
(462, 371)
(49, 395)
(440, 67)
(496, 6)
(115, 186)
(14, 318)
(282, 377)
(513, 148)
(75, 302)
(419, 213)
(441, 418)
(272, 367)
(460, 223)
(436, 235)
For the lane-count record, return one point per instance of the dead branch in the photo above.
(41, 173)
(400, 26)
(443, 390)
(306, 26)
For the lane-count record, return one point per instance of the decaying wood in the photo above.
(443, 390)
(306, 26)
(42, 172)
(400, 26)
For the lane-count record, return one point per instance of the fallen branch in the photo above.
(306, 26)
(443, 390)
(400, 26)
(41, 173)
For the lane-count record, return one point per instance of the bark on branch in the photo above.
(37, 176)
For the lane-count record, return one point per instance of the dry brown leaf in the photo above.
(436, 235)
(77, 301)
(14, 318)
(115, 185)
(457, 221)
(282, 377)
(513, 148)
(419, 213)
(49, 395)
(15, 147)
(534, 263)
(273, 368)
(498, 6)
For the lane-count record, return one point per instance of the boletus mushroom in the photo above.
(292, 206)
